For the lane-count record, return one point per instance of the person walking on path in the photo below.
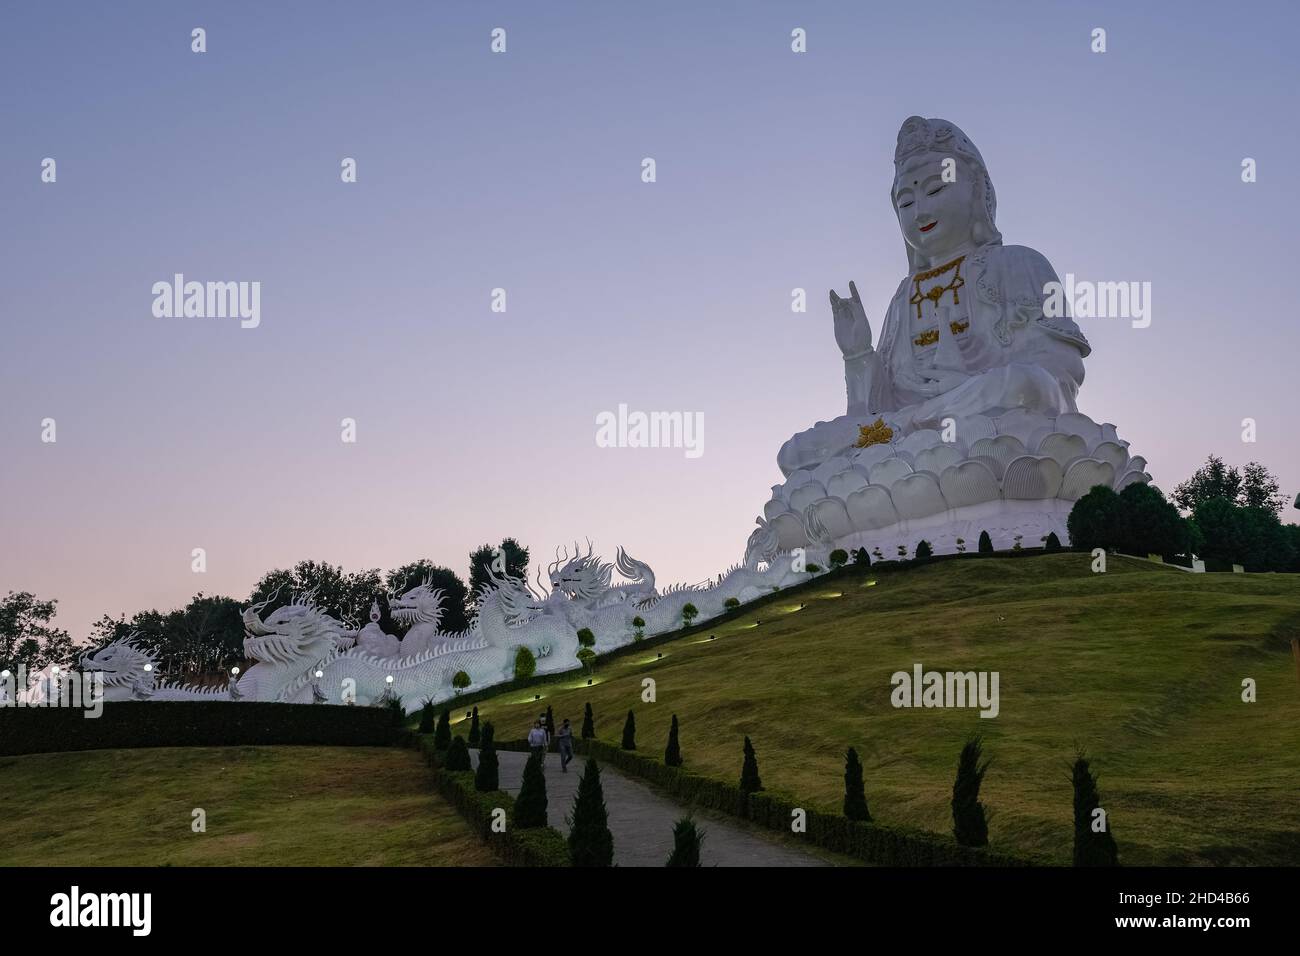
(537, 738)
(564, 737)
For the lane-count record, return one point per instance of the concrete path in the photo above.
(642, 820)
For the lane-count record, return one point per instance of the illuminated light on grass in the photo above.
(869, 584)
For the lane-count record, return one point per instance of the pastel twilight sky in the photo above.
(522, 171)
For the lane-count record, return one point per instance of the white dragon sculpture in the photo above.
(303, 655)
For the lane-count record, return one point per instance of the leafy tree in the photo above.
(1148, 523)
(689, 613)
(342, 595)
(460, 681)
(687, 843)
(525, 663)
(1293, 536)
(1095, 521)
(1211, 480)
(590, 842)
(475, 733)
(731, 602)
(586, 638)
(638, 623)
(923, 550)
(629, 732)
(488, 775)
(426, 717)
(838, 558)
(442, 736)
(586, 656)
(1267, 547)
(1091, 848)
(1260, 489)
(530, 805)
(986, 543)
(1220, 524)
(588, 723)
(969, 826)
(455, 596)
(750, 782)
(481, 558)
(27, 638)
(458, 755)
(673, 752)
(855, 796)
(1253, 486)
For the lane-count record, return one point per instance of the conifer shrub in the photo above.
(673, 752)
(969, 826)
(530, 805)
(750, 782)
(629, 732)
(590, 842)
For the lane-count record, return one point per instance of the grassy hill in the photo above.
(266, 806)
(1142, 666)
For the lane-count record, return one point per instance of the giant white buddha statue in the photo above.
(962, 418)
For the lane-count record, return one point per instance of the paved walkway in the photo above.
(642, 820)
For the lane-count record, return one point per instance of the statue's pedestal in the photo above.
(1017, 473)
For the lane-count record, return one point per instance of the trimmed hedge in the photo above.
(885, 845)
(191, 723)
(538, 846)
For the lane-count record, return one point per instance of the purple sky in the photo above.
(522, 171)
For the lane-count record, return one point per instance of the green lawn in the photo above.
(1142, 666)
(281, 806)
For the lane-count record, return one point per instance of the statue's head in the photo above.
(942, 193)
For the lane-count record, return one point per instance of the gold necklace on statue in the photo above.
(935, 293)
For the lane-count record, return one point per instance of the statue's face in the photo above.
(935, 214)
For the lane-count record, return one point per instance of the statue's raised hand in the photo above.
(852, 329)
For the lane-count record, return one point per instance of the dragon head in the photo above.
(422, 604)
(122, 662)
(584, 576)
(298, 633)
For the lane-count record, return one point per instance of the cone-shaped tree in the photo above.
(855, 795)
(986, 543)
(861, 558)
(488, 776)
(426, 717)
(588, 723)
(1092, 847)
(458, 755)
(687, 842)
(550, 722)
(673, 752)
(629, 732)
(1053, 543)
(475, 734)
(590, 842)
(923, 550)
(442, 736)
(968, 824)
(750, 782)
(530, 805)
